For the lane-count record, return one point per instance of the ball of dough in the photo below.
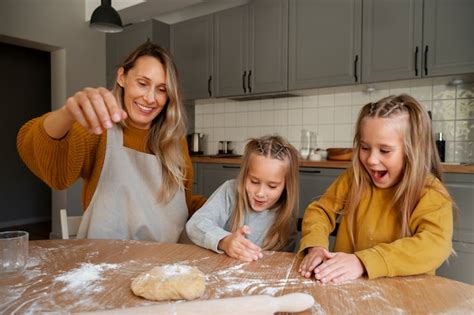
(170, 282)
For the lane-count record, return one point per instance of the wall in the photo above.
(77, 56)
(332, 112)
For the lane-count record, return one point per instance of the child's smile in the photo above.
(265, 181)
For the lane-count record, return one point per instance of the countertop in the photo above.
(447, 167)
(88, 275)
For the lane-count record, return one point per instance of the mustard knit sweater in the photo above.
(59, 163)
(376, 230)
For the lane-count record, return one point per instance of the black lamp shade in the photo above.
(106, 19)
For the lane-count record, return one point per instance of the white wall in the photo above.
(77, 58)
(331, 113)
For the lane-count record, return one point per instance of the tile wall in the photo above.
(330, 113)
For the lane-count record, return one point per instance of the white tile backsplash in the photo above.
(332, 112)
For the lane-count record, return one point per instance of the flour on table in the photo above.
(81, 279)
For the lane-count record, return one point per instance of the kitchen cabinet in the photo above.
(461, 266)
(211, 176)
(120, 45)
(414, 38)
(192, 48)
(324, 43)
(313, 183)
(251, 48)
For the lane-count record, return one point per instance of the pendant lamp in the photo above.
(106, 19)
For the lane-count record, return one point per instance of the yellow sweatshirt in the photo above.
(376, 231)
(59, 163)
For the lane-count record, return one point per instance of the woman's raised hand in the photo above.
(237, 246)
(94, 108)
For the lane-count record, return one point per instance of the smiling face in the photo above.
(265, 181)
(144, 91)
(381, 149)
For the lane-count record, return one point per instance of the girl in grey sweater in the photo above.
(258, 210)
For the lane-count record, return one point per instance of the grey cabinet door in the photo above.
(448, 37)
(230, 51)
(268, 46)
(191, 46)
(211, 176)
(324, 43)
(313, 183)
(392, 33)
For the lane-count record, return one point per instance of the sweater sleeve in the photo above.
(320, 216)
(207, 226)
(193, 202)
(432, 226)
(59, 163)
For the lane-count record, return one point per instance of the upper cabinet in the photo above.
(447, 37)
(392, 34)
(191, 46)
(324, 43)
(414, 38)
(251, 48)
(120, 45)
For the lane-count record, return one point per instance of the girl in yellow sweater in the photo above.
(396, 216)
(128, 147)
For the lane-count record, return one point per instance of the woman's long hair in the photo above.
(420, 159)
(169, 127)
(274, 147)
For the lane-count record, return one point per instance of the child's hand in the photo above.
(314, 257)
(237, 246)
(339, 267)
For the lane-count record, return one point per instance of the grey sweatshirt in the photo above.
(210, 223)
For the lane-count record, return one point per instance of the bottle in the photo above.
(441, 145)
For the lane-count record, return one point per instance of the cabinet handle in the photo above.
(416, 61)
(243, 81)
(230, 166)
(310, 171)
(355, 67)
(209, 85)
(248, 81)
(426, 60)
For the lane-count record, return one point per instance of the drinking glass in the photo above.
(13, 253)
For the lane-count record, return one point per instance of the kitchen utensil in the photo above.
(13, 253)
(195, 143)
(254, 304)
(339, 154)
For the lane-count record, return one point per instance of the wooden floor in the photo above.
(37, 231)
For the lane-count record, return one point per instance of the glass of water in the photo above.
(13, 253)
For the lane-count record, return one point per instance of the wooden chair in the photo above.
(69, 225)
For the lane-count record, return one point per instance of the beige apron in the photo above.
(125, 205)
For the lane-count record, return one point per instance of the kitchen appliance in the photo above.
(196, 143)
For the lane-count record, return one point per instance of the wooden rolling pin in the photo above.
(254, 304)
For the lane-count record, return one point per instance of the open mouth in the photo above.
(378, 175)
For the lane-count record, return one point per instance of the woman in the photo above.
(127, 145)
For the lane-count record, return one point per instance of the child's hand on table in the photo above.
(237, 246)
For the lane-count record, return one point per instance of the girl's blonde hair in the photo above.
(274, 147)
(420, 159)
(169, 127)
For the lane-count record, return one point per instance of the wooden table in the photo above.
(86, 275)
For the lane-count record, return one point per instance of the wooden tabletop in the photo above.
(447, 167)
(86, 275)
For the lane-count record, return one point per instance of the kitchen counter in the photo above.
(447, 167)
